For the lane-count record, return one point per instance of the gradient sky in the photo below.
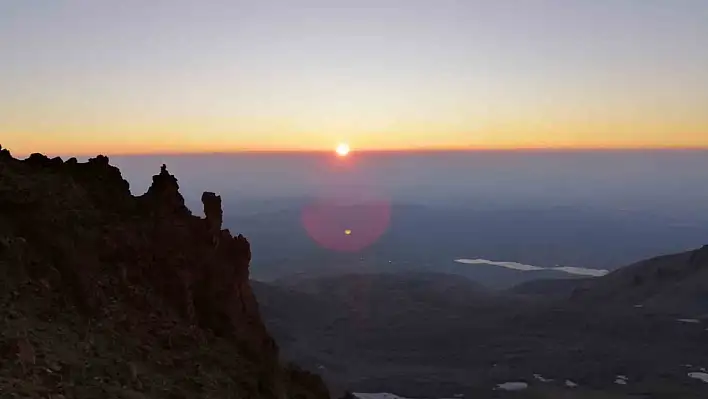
(169, 75)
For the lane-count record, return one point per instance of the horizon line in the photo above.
(371, 150)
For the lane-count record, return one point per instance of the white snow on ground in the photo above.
(383, 395)
(699, 376)
(526, 268)
(621, 380)
(386, 395)
(691, 321)
(513, 386)
(570, 384)
(508, 265)
(539, 377)
(581, 271)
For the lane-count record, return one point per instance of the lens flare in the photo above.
(324, 221)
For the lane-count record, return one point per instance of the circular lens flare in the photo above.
(362, 223)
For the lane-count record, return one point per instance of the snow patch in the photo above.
(581, 271)
(690, 321)
(526, 268)
(570, 384)
(508, 265)
(383, 395)
(513, 386)
(699, 376)
(540, 378)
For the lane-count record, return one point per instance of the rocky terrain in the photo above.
(107, 295)
(427, 334)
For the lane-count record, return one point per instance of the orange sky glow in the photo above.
(181, 77)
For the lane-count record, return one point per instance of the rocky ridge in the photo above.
(115, 295)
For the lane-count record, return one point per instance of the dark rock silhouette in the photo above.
(699, 258)
(213, 213)
(164, 197)
(4, 153)
(141, 273)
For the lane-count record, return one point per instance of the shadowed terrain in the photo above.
(437, 334)
(104, 294)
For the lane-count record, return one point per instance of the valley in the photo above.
(436, 335)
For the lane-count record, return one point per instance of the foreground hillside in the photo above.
(108, 295)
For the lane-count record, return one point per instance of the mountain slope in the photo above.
(547, 288)
(343, 325)
(676, 283)
(428, 335)
(109, 295)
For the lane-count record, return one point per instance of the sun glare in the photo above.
(342, 149)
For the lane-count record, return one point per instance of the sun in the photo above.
(342, 149)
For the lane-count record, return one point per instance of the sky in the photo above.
(137, 76)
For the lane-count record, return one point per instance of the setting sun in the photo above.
(342, 149)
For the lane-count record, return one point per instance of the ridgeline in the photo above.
(105, 294)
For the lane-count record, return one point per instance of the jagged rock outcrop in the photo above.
(212, 211)
(4, 153)
(163, 196)
(80, 251)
